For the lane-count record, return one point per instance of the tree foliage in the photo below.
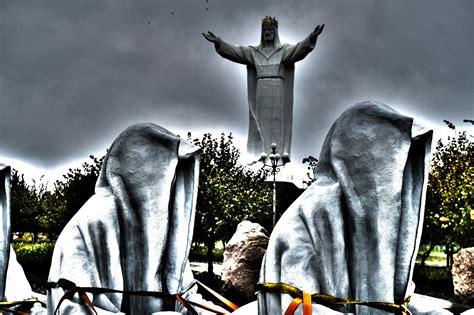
(73, 191)
(449, 209)
(228, 193)
(312, 163)
(36, 209)
(27, 204)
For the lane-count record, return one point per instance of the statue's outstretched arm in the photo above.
(294, 53)
(234, 53)
(314, 34)
(211, 37)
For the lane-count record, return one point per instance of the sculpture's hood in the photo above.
(355, 231)
(379, 158)
(153, 176)
(134, 233)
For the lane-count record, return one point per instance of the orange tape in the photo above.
(307, 304)
(86, 299)
(186, 304)
(219, 297)
(208, 308)
(293, 306)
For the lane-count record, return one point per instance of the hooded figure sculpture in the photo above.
(5, 226)
(270, 72)
(13, 283)
(354, 233)
(135, 233)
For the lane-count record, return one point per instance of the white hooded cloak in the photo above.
(135, 233)
(354, 233)
(14, 285)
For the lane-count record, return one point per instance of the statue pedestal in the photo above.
(291, 172)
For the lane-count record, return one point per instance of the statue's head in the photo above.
(270, 30)
(269, 21)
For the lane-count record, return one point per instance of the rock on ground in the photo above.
(463, 273)
(242, 259)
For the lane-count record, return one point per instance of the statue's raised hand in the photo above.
(211, 37)
(317, 30)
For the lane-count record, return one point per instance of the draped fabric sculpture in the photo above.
(5, 226)
(135, 233)
(354, 233)
(13, 283)
(270, 72)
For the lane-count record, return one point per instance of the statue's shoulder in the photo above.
(253, 48)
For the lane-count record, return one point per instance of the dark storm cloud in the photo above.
(75, 73)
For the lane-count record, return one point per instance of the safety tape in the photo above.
(228, 303)
(307, 299)
(71, 288)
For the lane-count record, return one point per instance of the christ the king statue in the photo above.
(270, 72)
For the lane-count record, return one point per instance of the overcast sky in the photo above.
(74, 74)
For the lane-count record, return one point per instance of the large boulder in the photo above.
(463, 273)
(243, 258)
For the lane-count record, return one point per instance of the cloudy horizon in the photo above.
(76, 73)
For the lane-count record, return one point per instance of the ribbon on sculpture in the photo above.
(71, 288)
(222, 299)
(306, 298)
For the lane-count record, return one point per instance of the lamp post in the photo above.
(276, 161)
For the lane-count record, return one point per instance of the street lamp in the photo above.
(276, 161)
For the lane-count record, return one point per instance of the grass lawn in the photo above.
(434, 279)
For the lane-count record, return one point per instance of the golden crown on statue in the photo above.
(268, 20)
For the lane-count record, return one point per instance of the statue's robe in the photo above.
(135, 232)
(354, 233)
(270, 90)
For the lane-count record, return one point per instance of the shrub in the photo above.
(199, 253)
(433, 281)
(35, 258)
(29, 254)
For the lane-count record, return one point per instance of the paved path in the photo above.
(431, 263)
(201, 267)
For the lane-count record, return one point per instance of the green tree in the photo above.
(70, 194)
(450, 195)
(228, 193)
(312, 163)
(26, 204)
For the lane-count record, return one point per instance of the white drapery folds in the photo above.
(354, 233)
(135, 233)
(13, 283)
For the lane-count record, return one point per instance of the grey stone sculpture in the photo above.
(270, 72)
(135, 233)
(5, 226)
(13, 283)
(355, 232)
